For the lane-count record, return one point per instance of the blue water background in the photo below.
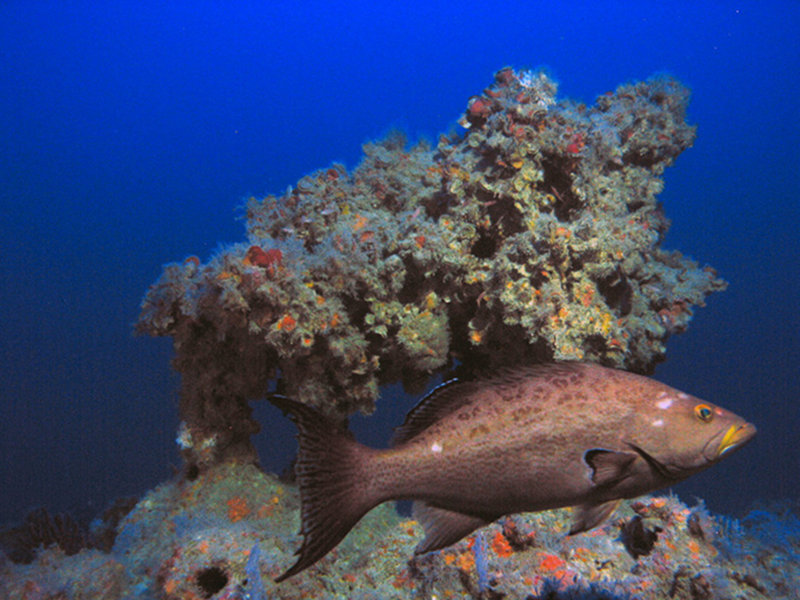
(130, 131)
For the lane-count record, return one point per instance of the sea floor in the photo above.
(228, 533)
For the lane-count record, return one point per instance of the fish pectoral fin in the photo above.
(608, 466)
(589, 516)
(443, 527)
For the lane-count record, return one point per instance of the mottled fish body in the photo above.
(529, 439)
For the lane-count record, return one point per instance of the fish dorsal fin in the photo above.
(443, 527)
(512, 374)
(439, 402)
(452, 395)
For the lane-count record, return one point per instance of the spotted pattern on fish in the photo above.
(527, 439)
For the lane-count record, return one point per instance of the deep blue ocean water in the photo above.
(131, 131)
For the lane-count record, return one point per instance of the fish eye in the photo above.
(704, 412)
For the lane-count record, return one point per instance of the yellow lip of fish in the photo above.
(735, 437)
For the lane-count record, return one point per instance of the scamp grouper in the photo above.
(530, 439)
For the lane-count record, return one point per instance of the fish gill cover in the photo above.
(534, 236)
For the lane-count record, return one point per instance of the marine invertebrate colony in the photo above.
(179, 542)
(534, 236)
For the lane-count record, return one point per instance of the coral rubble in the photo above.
(535, 235)
(228, 533)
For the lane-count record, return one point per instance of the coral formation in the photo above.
(42, 529)
(230, 532)
(535, 235)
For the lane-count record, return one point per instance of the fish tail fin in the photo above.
(330, 470)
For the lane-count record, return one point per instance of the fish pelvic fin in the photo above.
(589, 516)
(331, 479)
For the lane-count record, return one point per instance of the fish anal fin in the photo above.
(589, 516)
(443, 527)
(608, 466)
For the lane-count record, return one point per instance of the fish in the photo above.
(525, 439)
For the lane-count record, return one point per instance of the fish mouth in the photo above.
(734, 438)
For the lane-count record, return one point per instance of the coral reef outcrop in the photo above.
(228, 534)
(536, 235)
